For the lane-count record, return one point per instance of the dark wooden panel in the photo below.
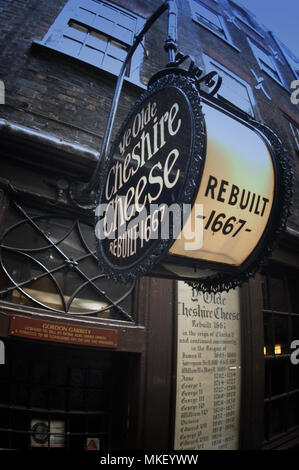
(252, 402)
(157, 400)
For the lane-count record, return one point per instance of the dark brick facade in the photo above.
(51, 128)
(70, 100)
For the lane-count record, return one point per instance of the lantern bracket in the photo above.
(81, 194)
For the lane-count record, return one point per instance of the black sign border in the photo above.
(197, 154)
(228, 277)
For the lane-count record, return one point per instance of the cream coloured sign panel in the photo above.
(208, 370)
(236, 191)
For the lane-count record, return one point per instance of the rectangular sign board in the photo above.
(59, 332)
(208, 370)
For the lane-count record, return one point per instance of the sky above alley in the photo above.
(279, 16)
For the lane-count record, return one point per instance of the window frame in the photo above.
(58, 28)
(289, 60)
(226, 37)
(244, 20)
(279, 389)
(79, 232)
(208, 63)
(244, 17)
(255, 48)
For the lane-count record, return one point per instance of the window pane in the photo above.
(267, 384)
(105, 25)
(207, 14)
(277, 293)
(117, 50)
(277, 417)
(265, 294)
(233, 90)
(92, 56)
(242, 16)
(268, 342)
(113, 64)
(293, 409)
(78, 27)
(270, 70)
(97, 41)
(70, 46)
(266, 62)
(235, 93)
(109, 12)
(86, 16)
(124, 34)
(293, 284)
(278, 376)
(281, 334)
(295, 326)
(294, 377)
(267, 411)
(127, 21)
(266, 59)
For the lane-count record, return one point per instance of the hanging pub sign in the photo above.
(191, 190)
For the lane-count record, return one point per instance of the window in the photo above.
(233, 88)
(266, 62)
(49, 261)
(291, 59)
(98, 33)
(281, 327)
(244, 18)
(209, 19)
(61, 398)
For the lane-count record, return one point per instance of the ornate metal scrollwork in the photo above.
(212, 79)
(62, 259)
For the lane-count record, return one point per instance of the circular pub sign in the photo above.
(190, 190)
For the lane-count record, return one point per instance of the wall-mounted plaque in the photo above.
(208, 370)
(61, 332)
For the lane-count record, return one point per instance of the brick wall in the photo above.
(71, 100)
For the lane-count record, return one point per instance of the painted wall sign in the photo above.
(156, 162)
(208, 388)
(190, 190)
(59, 332)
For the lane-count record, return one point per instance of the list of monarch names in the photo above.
(208, 370)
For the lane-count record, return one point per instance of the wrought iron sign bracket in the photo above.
(211, 80)
(252, 174)
(83, 195)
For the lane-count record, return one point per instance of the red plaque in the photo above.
(43, 330)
